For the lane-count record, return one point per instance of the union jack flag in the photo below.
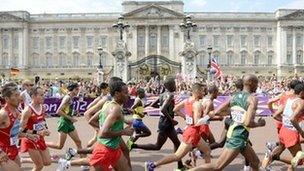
(215, 68)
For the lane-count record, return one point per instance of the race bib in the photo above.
(287, 123)
(14, 141)
(238, 114)
(39, 126)
(189, 120)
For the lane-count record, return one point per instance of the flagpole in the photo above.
(209, 50)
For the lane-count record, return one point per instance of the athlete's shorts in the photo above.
(27, 144)
(205, 132)
(11, 151)
(228, 121)
(288, 137)
(104, 156)
(138, 124)
(237, 137)
(65, 126)
(192, 135)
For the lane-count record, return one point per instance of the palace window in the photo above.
(243, 40)
(62, 40)
(202, 40)
(269, 40)
(229, 40)
(48, 42)
(75, 42)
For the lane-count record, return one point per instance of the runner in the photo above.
(243, 108)
(166, 122)
(191, 136)
(9, 129)
(33, 119)
(107, 151)
(291, 132)
(141, 130)
(65, 123)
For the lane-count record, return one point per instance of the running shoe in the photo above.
(149, 166)
(179, 130)
(62, 165)
(70, 153)
(246, 168)
(130, 144)
(85, 168)
(269, 147)
(295, 161)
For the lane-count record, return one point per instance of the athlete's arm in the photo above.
(270, 103)
(91, 111)
(177, 109)
(60, 112)
(113, 115)
(94, 102)
(278, 114)
(165, 105)
(155, 104)
(94, 120)
(297, 112)
(251, 111)
(223, 109)
(136, 103)
(3, 119)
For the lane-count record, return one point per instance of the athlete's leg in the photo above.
(46, 157)
(9, 165)
(75, 137)
(60, 144)
(182, 150)
(161, 139)
(250, 156)
(37, 159)
(173, 137)
(93, 140)
(203, 146)
(122, 164)
(226, 157)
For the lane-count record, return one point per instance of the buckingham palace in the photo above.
(68, 44)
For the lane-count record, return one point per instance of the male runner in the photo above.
(191, 136)
(166, 122)
(33, 119)
(243, 107)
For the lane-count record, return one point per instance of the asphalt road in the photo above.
(258, 136)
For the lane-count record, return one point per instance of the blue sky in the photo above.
(84, 6)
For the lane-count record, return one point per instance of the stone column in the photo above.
(25, 46)
(171, 42)
(147, 41)
(21, 60)
(1, 49)
(158, 40)
(134, 42)
(281, 49)
(294, 51)
(41, 47)
(10, 47)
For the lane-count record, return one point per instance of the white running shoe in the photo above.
(62, 165)
(246, 168)
(85, 168)
(71, 152)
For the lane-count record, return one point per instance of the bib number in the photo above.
(189, 120)
(238, 116)
(287, 123)
(14, 141)
(39, 126)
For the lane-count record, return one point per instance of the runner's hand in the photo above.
(174, 122)
(128, 131)
(261, 122)
(33, 137)
(44, 132)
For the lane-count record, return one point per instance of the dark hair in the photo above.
(116, 86)
(168, 83)
(293, 84)
(114, 79)
(212, 88)
(72, 86)
(299, 88)
(140, 91)
(239, 84)
(103, 85)
(8, 89)
(34, 91)
(196, 86)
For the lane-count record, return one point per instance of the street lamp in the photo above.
(187, 25)
(100, 52)
(120, 26)
(209, 50)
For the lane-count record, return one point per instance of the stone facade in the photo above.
(65, 45)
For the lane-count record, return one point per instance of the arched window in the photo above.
(230, 58)
(62, 60)
(256, 57)
(243, 57)
(76, 58)
(49, 60)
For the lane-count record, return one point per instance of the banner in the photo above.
(52, 104)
